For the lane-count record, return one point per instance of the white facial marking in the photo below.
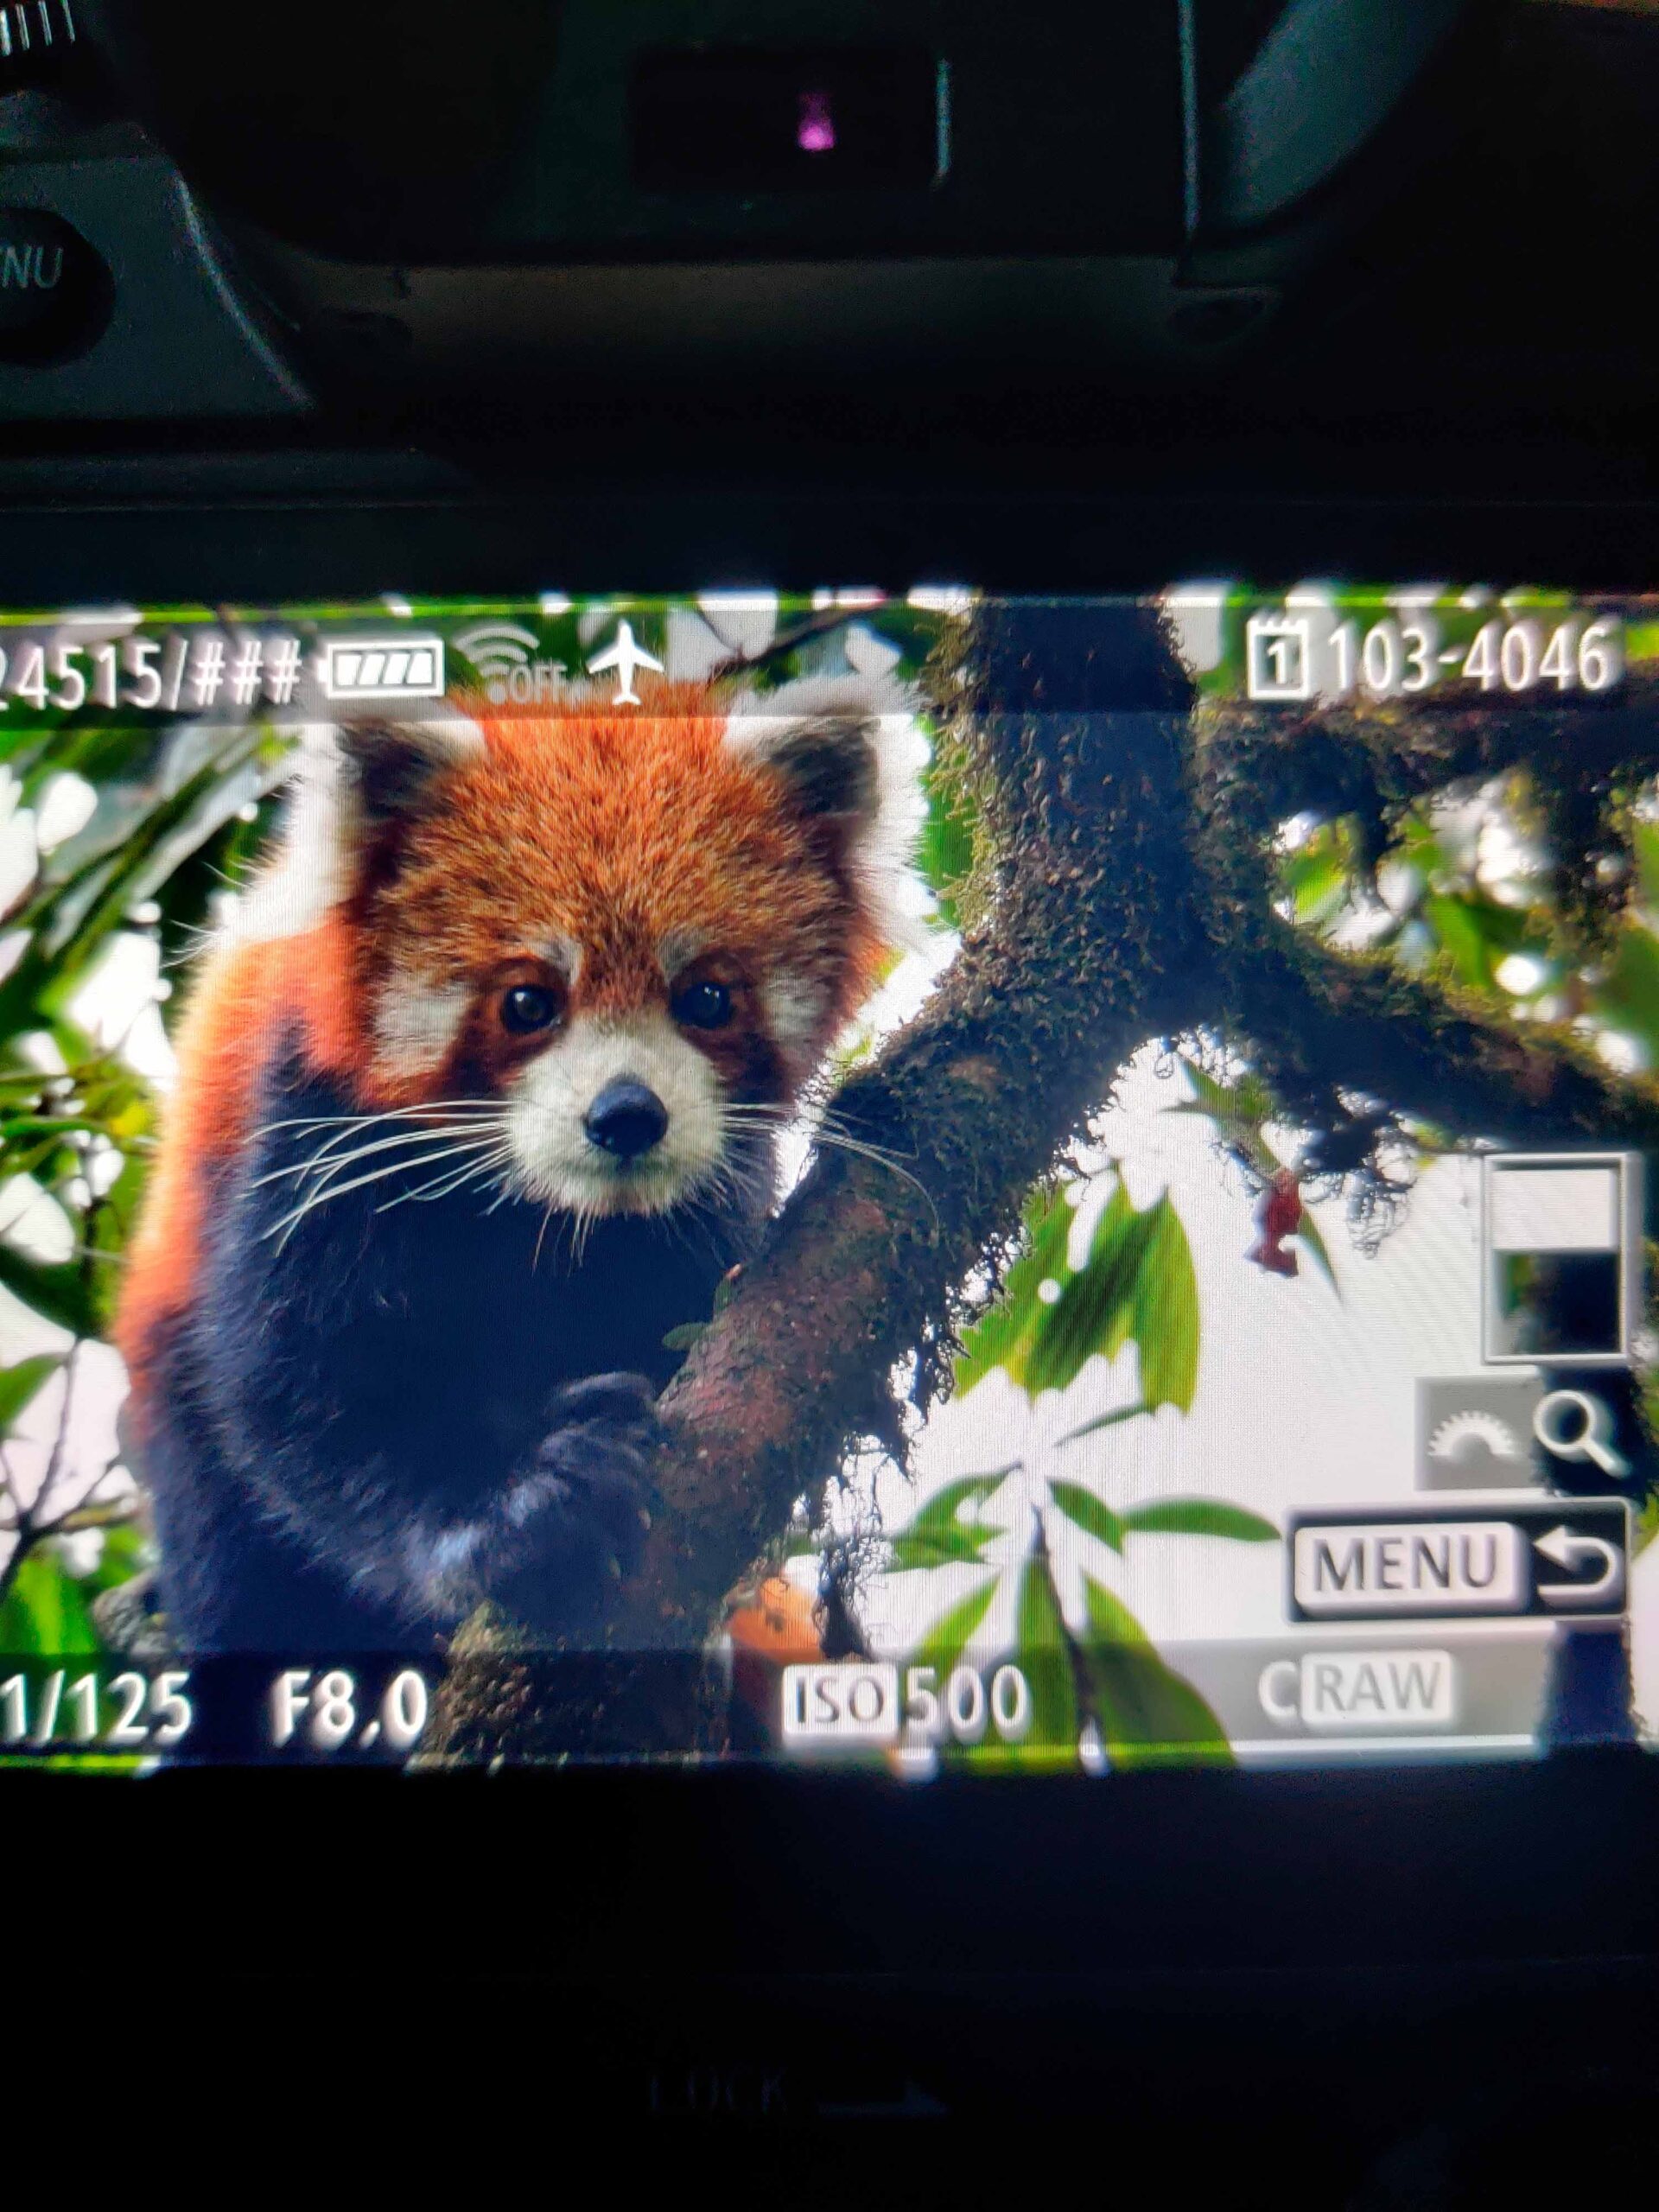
(557, 1163)
(417, 1023)
(794, 1005)
(565, 955)
(679, 949)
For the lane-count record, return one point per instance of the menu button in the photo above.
(55, 294)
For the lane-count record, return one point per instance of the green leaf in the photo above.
(1627, 998)
(1475, 933)
(949, 1636)
(1094, 1310)
(940, 1511)
(1248, 1102)
(1138, 1282)
(1306, 1231)
(1199, 1516)
(73, 918)
(111, 1222)
(1454, 925)
(1318, 880)
(1083, 1508)
(1208, 1096)
(1166, 1317)
(944, 851)
(1111, 1620)
(45, 1610)
(951, 1548)
(1104, 1420)
(936, 1537)
(57, 1291)
(686, 1336)
(999, 1339)
(19, 1383)
(1644, 839)
(1043, 1651)
(1147, 1714)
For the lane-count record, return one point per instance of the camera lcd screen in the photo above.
(915, 1181)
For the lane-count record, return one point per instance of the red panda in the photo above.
(475, 1105)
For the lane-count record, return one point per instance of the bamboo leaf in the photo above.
(19, 1383)
(45, 1610)
(1085, 1511)
(1002, 1338)
(944, 851)
(956, 1546)
(57, 1291)
(1094, 1311)
(1166, 1317)
(1138, 1282)
(939, 1517)
(1199, 1516)
(949, 1636)
(1307, 1234)
(1045, 1658)
(1104, 1420)
(1147, 1714)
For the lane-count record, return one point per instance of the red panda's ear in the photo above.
(393, 771)
(827, 766)
(845, 750)
(827, 759)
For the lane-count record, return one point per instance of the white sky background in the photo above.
(1302, 1398)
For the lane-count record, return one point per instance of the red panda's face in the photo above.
(637, 936)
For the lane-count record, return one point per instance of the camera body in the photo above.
(417, 318)
(575, 195)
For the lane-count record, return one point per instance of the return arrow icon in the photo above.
(1573, 1553)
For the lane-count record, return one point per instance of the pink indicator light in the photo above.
(817, 132)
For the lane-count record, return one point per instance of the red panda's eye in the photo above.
(526, 1007)
(703, 1006)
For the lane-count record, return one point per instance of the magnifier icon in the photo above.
(1576, 1427)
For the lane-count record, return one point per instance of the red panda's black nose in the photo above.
(627, 1118)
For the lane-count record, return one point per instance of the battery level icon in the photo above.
(382, 668)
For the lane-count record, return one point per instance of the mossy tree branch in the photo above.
(1314, 1017)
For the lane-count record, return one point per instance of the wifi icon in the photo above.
(500, 652)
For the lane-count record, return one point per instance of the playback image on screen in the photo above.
(910, 1180)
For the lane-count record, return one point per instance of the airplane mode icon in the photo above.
(626, 657)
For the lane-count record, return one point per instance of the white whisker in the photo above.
(441, 1185)
(326, 1160)
(326, 1189)
(441, 1107)
(828, 1131)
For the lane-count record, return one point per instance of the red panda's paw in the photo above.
(578, 1515)
(629, 1400)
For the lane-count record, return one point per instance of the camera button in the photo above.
(55, 293)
